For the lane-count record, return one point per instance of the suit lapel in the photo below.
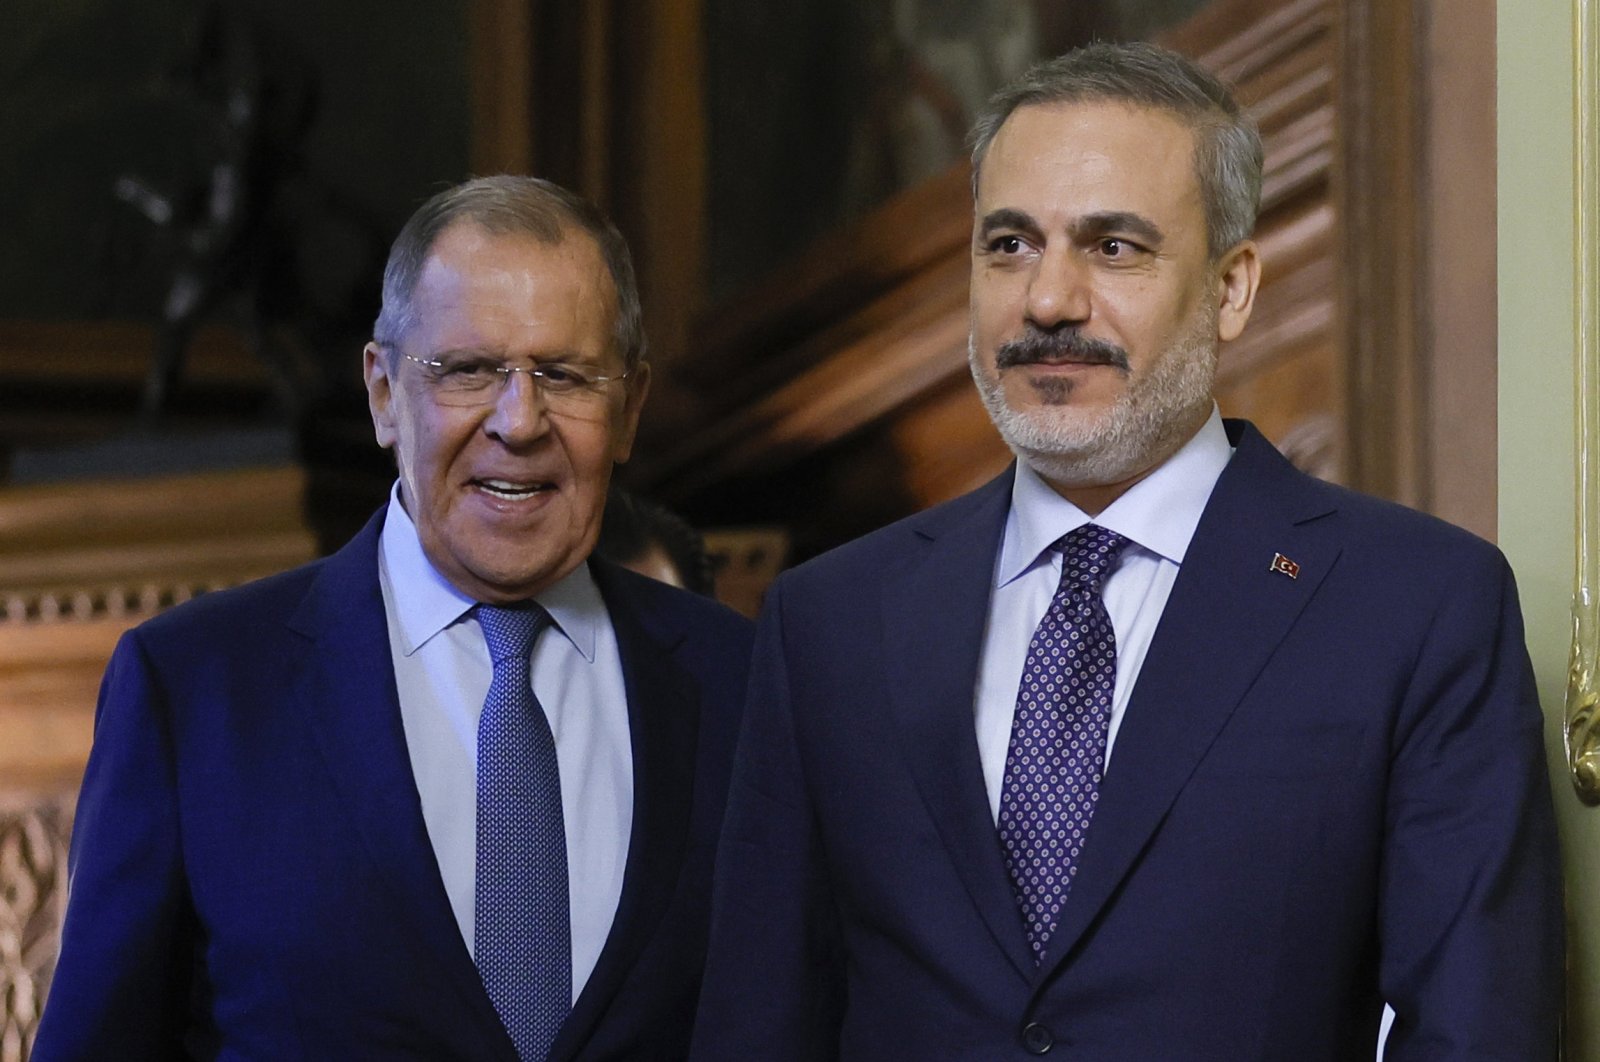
(934, 617)
(347, 690)
(1198, 669)
(663, 723)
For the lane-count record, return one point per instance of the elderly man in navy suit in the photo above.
(453, 792)
(1154, 748)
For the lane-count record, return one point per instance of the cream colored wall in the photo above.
(1536, 236)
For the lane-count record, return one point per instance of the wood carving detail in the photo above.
(33, 896)
(116, 602)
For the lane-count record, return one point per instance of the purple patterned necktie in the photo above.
(1058, 734)
(522, 928)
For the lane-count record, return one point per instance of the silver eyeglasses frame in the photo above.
(584, 384)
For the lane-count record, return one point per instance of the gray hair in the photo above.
(507, 205)
(1227, 153)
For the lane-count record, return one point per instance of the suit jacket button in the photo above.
(1038, 1039)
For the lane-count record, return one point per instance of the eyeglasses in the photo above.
(472, 380)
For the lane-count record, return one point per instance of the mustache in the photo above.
(1044, 348)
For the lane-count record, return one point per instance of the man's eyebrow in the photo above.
(563, 356)
(464, 352)
(1006, 218)
(1113, 222)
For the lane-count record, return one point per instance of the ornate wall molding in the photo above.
(82, 561)
(1582, 731)
(33, 896)
(113, 602)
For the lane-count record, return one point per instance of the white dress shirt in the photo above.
(443, 670)
(1158, 515)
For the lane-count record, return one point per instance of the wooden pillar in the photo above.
(1460, 348)
(658, 189)
(500, 75)
(1378, 182)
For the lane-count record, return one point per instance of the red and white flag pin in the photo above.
(1284, 566)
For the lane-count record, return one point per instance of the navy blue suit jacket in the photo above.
(251, 875)
(1327, 791)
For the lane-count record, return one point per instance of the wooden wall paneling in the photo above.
(49, 679)
(595, 111)
(117, 538)
(562, 90)
(1298, 302)
(767, 334)
(81, 562)
(166, 506)
(87, 353)
(842, 379)
(1417, 302)
(865, 366)
(789, 368)
(1380, 286)
(225, 558)
(1232, 31)
(543, 76)
(500, 66)
(1285, 372)
(1459, 354)
(1240, 39)
(658, 179)
(947, 443)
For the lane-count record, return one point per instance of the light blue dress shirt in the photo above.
(1158, 515)
(442, 669)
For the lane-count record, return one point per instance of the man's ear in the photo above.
(1239, 276)
(638, 388)
(375, 371)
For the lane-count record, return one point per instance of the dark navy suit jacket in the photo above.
(1328, 791)
(251, 875)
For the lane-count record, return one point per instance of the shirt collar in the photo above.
(1158, 513)
(426, 603)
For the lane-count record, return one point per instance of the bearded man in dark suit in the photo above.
(1154, 748)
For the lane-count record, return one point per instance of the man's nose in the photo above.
(1059, 291)
(519, 414)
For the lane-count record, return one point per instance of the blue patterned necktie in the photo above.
(522, 930)
(1058, 734)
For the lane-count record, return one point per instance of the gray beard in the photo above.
(1071, 448)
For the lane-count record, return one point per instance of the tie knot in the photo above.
(1088, 554)
(511, 629)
